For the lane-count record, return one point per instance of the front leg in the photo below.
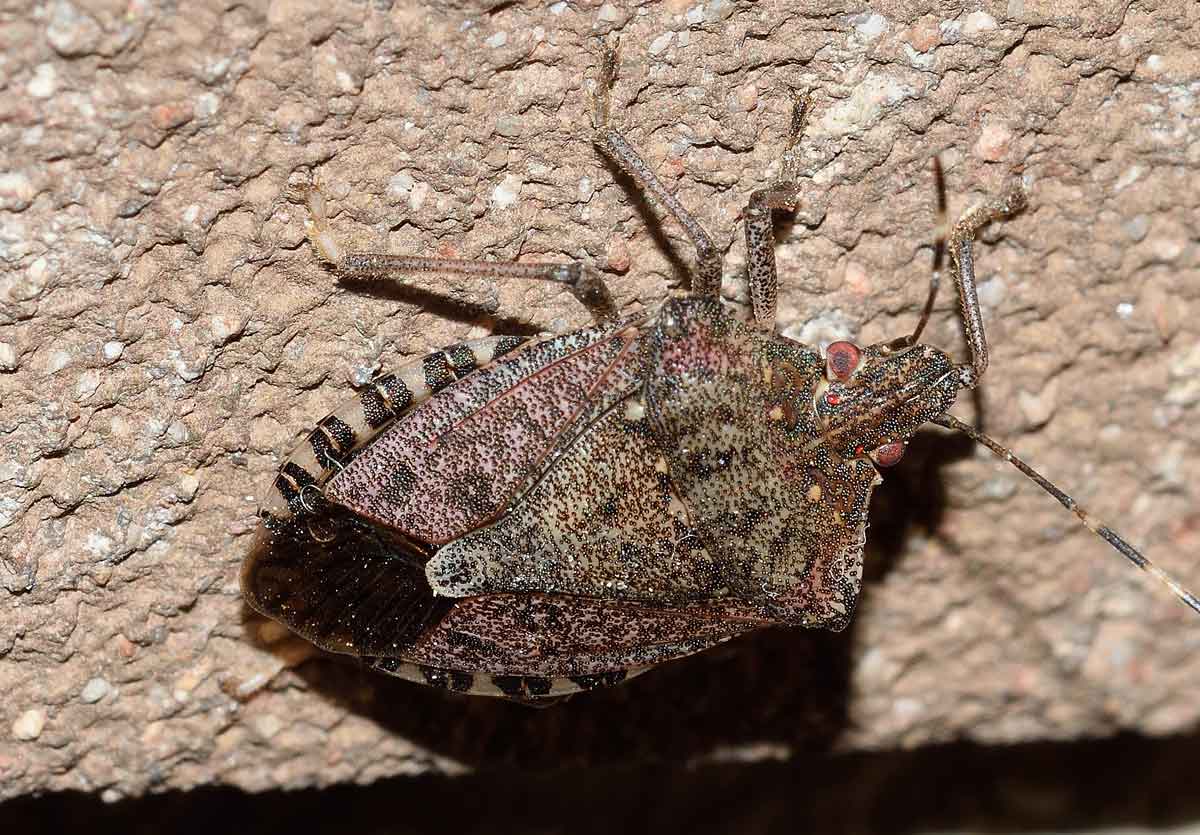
(760, 231)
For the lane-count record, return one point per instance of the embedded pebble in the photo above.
(70, 32)
(179, 433)
(744, 98)
(205, 106)
(978, 23)
(993, 141)
(508, 124)
(1183, 375)
(29, 725)
(417, 198)
(100, 545)
(225, 328)
(872, 26)
(95, 690)
(497, 40)
(400, 185)
(992, 292)
(586, 189)
(87, 384)
(113, 350)
(924, 36)
(857, 281)
(819, 331)
(58, 360)
(505, 194)
(44, 82)
(187, 487)
(1128, 177)
(1136, 227)
(716, 10)
(864, 106)
(267, 725)
(1038, 407)
(29, 284)
(617, 257)
(8, 357)
(660, 44)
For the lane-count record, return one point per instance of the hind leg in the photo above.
(583, 283)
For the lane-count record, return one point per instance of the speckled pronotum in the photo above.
(530, 518)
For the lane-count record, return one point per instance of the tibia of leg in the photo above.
(602, 97)
(962, 271)
(621, 152)
(1012, 200)
(583, 283)
(761, 272)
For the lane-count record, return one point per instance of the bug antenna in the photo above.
(1103, 531)
(939, 255)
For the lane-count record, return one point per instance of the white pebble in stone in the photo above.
(95, 690)
(660, 44)
(29, 725)
(978, 23)
(505, 195)
(44, 82)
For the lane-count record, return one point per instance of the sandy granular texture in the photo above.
(166, 336)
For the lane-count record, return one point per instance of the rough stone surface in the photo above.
(165, 336)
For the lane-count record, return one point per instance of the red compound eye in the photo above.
(888, 455)
(832, 399)
(841, 358)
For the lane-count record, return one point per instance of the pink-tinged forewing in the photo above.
(457, 460)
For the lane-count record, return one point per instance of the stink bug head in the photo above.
(874, 397)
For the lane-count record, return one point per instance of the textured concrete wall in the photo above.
(165, 336)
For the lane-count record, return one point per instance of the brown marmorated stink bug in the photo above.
(530, 518)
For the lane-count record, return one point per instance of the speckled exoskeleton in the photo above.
(530, 518)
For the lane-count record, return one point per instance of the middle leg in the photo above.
(621, 153)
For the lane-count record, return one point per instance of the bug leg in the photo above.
(621, 152)
(962, 271)
(760, 231)
(583, 282)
